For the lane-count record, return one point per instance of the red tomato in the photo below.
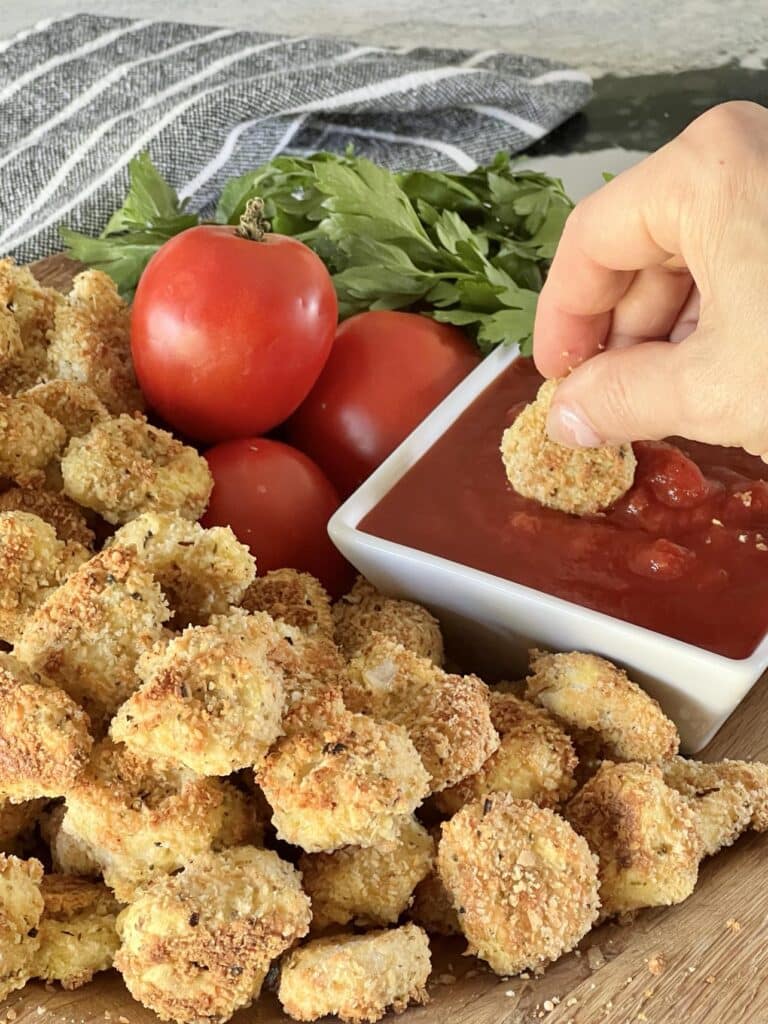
(386, 372)
(229, 334)
(277, 502)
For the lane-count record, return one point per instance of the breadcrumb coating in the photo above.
(580, 481)
(33, 564)
(21, 907)
(364, 611)
(341, 779)
(448, 717)
(587, 692)
(211, 699)
(201, 572)
(90, 342)
(197, 947)
(125, 466)
(535, 759)
(75, 406)
(140, 820)
(69, 854)
(644, 834)
(296, 598)
(29, 440)
(356, 977)
(58, 510)
(16, 822)
(88, 635)
(728, 797)
(78, 934)
(44, 738)
(523, 883)
(316, 665)
(32, 308)
(368, 885)
(432, 907)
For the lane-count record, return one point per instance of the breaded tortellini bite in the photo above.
(140, 821)
(589, 694)
(44, 737)
(89, 341)
(21, 907)
(368, 885)
(341, 779)
(125, 466)
(33, 564)
(197, 947)
(356, 977)
(448, 717)
(364, 611)
(535, 759)
(70, 855)
(644, 834)
(27, 316)
(201, 572)
(727, 797)
(523, 883)
(78, 934)
(211, 699)
(315, 667)
(29, 440)
(580, 481)
(294, 597)
(75, 405)
(17, 820)
(89, 634)
(53, 508)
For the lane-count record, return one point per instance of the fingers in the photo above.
(650, 308)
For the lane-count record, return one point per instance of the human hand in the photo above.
(673, 250)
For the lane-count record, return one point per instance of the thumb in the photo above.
(630, 394)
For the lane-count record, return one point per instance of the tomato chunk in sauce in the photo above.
(684, 552)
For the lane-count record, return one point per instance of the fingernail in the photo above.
(567, 426)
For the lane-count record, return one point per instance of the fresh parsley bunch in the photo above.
(468, 249)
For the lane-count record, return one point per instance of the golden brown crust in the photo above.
(201, 572)
(535, 759)
(588, 693)
(644, 834)
(89, 341)
(523, 883)
(33, 564)
(21, 907)
(296, 598)
(314, 666)
(125, 467)
(364, 611)
(44, 738)
(581, 481)
(211, 699)
(78, 935)
(368, 886)
(448, 717)
(74, 405)
(340, 779)
(28, 314)
(88, 635)
(356, 977)
(196, 947)
(29, 440)
(56, 509)
(140, 821)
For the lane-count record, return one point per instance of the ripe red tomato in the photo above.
(277, 502)
(229, 334)
(385, 373)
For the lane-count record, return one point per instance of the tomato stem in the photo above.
(253, 224)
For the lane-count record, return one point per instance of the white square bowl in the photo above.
(494, 622)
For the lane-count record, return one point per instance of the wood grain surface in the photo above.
(703, 962)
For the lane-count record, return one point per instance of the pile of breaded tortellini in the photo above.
(217, 781)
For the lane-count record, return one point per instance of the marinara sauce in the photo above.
(684, 552)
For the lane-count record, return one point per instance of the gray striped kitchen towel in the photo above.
(80, 96)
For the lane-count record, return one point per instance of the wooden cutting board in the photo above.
(704, 962)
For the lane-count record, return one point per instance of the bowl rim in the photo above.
(343, 527)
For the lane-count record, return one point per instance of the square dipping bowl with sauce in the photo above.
(683, 609)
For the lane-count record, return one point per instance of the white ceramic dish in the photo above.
(495, 621)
